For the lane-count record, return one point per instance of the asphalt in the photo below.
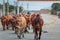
(51, 31)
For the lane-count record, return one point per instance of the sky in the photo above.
(33, 5)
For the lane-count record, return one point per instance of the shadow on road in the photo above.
(45, 31)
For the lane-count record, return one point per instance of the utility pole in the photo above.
(17, 8)
(27, 6)
(22, 6)
(7, 7)
(14, 8)
(3, 14)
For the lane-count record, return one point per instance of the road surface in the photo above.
(53, 31)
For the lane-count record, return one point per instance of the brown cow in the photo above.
(37, 23)
(13, 22)
(20, 25)
(27, 17)
(5, 20)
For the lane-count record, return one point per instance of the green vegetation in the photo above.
(11, 8)
(55, 8)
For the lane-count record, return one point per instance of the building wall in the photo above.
(44, 11)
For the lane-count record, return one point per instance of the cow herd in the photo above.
(21, 22)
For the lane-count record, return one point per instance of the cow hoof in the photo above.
(26, 32)
(7, 28)
(15, 32)
(35, 39)
(3, 29)
(13, 29)
(23, 36)
(19, 37)
(38, 39)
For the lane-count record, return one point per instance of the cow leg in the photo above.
(40, 34)
(28, 26)
(13, 27)
(18, 34)
(36, 34)
(3, 27)
(26, 30)
(16, 29)
(7, 27)
(23, 35)
(33, 30)
(3, 24)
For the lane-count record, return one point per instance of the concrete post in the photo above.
(17, 8)
(7, 7)
(3, 14)
(27, 6)
(14, 8)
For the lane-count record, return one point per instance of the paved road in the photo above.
(53, 32)
(47, 18)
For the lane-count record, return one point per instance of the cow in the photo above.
(5, 20)
(20, 26)
(37, 23)
(27, 17)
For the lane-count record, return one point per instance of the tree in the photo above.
(11, 8)
(20, 9)
(55, 7)
(1, 6)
